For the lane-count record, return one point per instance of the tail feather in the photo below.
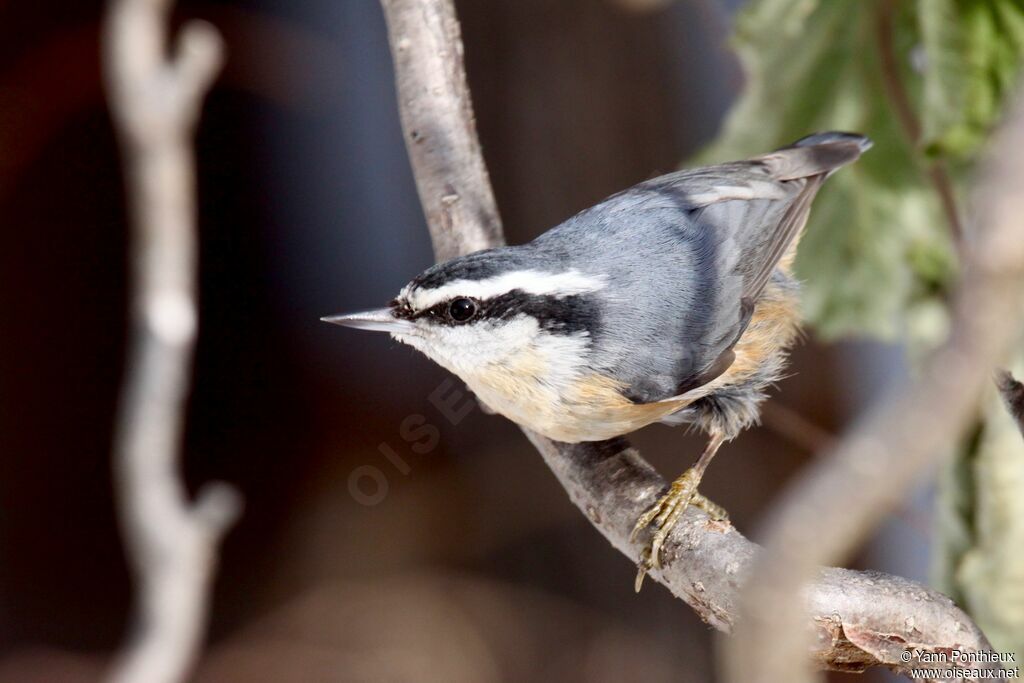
(817, 154)
(834, 136)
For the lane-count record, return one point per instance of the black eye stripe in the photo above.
(438, 312)
(556, 314)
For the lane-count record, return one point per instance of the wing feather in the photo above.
(757, 210)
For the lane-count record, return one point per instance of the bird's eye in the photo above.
(462, 309)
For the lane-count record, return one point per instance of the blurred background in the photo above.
(361, 556)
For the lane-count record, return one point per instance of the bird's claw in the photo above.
(663, 516)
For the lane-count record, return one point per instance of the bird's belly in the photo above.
(591, 409)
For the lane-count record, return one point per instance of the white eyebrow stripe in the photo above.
(564, 284)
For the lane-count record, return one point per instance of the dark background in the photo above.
(473, 565)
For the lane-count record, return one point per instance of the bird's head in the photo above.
(490, 310)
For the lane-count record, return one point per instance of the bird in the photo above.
(673, 301)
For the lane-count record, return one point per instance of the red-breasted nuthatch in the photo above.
(672, 301)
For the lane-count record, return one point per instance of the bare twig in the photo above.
(858, 617)
(171, 544)
(835, 504)
(797, 429)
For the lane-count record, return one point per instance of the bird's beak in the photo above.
(380, 320)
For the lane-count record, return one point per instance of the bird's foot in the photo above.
(664, 515)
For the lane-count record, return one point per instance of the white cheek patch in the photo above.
(465, 349)
(569, 283)
(565, 358)
(506, 346)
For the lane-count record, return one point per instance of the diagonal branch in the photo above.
(171, 544)
(859, 618)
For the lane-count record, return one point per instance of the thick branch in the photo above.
(171, 544)
(832, 508)
(450, 172)
(859, 618)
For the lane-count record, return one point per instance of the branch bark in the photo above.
(834, 505)
(171, 544)
(450, 172)
(860, 619)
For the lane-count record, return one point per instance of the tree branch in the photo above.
(451, 176)
(859, 619)
(834, 505)
(171, 544)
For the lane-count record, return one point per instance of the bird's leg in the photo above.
(671, 506)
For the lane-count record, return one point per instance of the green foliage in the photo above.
(877, 256)
(973, 49)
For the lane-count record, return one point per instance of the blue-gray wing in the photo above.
(736, 222)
